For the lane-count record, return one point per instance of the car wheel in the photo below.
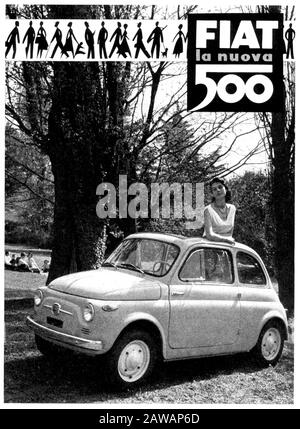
(270, 344)
(131, 360)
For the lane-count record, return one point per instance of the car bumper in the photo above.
(78, 344)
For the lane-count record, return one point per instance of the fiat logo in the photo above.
(56, 308)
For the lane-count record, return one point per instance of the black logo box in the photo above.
(196, 93)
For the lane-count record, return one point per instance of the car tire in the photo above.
(270, 344)
(132, 360)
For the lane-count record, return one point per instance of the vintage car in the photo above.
(163, 296)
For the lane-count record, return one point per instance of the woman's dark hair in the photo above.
(218, 180)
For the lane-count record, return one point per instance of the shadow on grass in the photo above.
(71, 378)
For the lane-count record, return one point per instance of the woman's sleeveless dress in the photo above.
(220, 226)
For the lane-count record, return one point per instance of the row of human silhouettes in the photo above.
(119, 39)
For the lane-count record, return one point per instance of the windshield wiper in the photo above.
(131, 266)
(109, 264)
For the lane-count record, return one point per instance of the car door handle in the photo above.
(177, 293)
(239, 296)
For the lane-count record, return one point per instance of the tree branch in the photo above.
(29, 188)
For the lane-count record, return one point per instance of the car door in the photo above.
(204, 300)
(257, 296)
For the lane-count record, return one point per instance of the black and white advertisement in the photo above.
(148, 209)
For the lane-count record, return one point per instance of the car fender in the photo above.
(250, 338)
(146, 317)
(274, 314)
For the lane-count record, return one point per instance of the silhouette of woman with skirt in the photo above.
(41, 40)
(178, 48)
(69, 43)
(124, 48)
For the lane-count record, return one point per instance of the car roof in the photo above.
(182, 240)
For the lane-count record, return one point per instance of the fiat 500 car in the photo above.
(160, 296)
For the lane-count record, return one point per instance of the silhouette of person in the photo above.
(102, 37)
(58, 37)
(290, 36)
(89, 38)
(69, 42)
(117, 34)
(157, 37)
(30, 36)
(41, 40)
(79, 49)
(178, 48)
(124, 48)
(12, 40)
(139, 45)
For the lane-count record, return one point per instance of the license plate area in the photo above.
(55, 322)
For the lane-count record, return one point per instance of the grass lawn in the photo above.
(18, 284)
(31, 378)
(22, 284)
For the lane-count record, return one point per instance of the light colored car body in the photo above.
(192, 317)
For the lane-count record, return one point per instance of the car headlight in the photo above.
(38, 297)
(88, 312)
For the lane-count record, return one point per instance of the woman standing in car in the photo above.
(219, 215)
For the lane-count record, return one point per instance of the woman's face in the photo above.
(218, 190)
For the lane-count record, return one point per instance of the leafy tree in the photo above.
(254, 225)
(280, 143)
(28, 190)
(84, 117)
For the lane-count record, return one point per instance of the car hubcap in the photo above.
(134, 361)
(271, 343)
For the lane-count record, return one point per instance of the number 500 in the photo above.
(241, 88)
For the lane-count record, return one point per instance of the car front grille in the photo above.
(85, 331)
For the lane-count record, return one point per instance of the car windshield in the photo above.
(144, 255)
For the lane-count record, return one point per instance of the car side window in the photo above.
(249, 270)
(191, 269)
(208, 265)
(218, 266)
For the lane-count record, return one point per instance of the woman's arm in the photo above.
(114, 33)
(34, 264)
(210, 234)
(233, 218)
(74, 37)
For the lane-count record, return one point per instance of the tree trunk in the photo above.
(283, 190)
(123, 160)
(75, 148)
(283, 206)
